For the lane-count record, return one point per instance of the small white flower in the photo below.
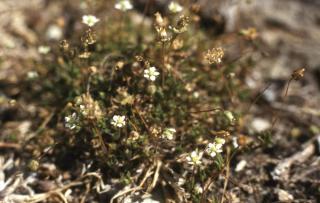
(90, 20)
(175, 7)
(168, 133)
(181, 181)
(198, 189)
(123, 5)
(31, 75)
(151, 73)
(195, 157)
(118, 121)
(83, 110)
(219, 142)
(71, 121)
(44, 49)
(212, 149)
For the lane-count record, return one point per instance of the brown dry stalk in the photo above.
(134, 189)
(9, 145)
(207, 110)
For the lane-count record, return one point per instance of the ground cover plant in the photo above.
(130, 105)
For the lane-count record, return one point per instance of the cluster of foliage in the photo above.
(147, 103)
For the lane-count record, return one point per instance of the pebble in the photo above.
(260, 124)
(284, 196)
(241, 165)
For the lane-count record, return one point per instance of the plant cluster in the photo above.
(150, 104)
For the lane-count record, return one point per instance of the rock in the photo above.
(260, 124)
(241, 165)
(284, 196)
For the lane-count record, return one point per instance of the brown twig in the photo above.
(156, 176)
(9, 145)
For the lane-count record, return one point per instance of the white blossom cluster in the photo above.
(118, 121)
(212, 149)
(216, 147)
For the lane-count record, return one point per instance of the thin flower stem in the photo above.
(133, 125)
(193, 177)
(143, 120)
(121, 29)
(258, 97)
(98, 134)
(88, 84)
(226, 180)
(276, 115)
(226, 85)
(287, 88)
(163, 63)
(145, 11)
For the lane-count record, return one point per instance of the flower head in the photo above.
(214, 55)
(194, 157)
(90, 20)
(44, 49)
(213, 149)
(123, 5)
(151, 73)
(219, 142)
(88, 107)
(182, 25)
(159, 20)
(198, 189)
(298, 73)
(118, 121)
(168, 133)
(163, 34)
(31, 75)
(72, 121)
(181, 181)
(175, 7)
